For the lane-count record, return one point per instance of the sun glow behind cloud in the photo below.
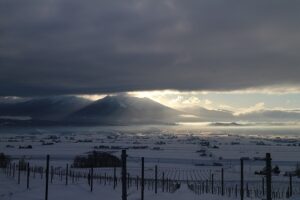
(257, 107)
(238, 102)
(174, 99)
(93, 97)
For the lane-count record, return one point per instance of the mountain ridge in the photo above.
(68, 110)
(124, 109)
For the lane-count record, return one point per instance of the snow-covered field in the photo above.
(183, 154)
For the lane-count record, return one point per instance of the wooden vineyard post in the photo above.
(142, 180)
(115, 179)
(222, 180)
(8, 169)
(47, 177)
(242, 179)
(263, 186)
(155, 179)
(124, 174)
(212, 183)
(19, 172)
(91, 178)
(291, 186)
(67, 172)
(128, 180)
(163, 181)
(28, 173)
(14, 169)
(269, 176)
(51, 174)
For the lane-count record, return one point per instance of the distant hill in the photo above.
(47, 108)
(225, 124)
(211, 115)
(124, 109)
(255, 116)
(272, 116)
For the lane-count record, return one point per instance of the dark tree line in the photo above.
(96, 159)
(4, 160)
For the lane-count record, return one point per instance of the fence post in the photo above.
(9, 169)
(124, 174)
(263, 186)
(47, 177)
(142, 180)
(14, 169)
(212, 183)
(163, 181)
(67, 173)
(91, 177)
(155, 179)
(115, 177)
(51, 174)
(19, 172)
(28, 173)
(128, 180)
(269, 176)
(242, 179)
(291, 186)
(222, 180)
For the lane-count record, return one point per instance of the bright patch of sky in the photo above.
(239, 101)
(92, 97)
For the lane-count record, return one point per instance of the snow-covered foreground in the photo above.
(10, 190)
(185, 156)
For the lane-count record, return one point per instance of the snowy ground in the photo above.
(182, 155)
(9, 189)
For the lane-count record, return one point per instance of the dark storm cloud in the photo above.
(74, 47)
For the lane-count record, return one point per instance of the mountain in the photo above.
(123, 110)
(225, 124)
(47, 108)
(255, 116)
(210, 115)
(271, 116)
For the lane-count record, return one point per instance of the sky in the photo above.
(224, 100)
(223, 54)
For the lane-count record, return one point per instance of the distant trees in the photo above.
(96, 159)
(4, 160)
(275, 171)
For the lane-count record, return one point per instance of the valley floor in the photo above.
(193, 159)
